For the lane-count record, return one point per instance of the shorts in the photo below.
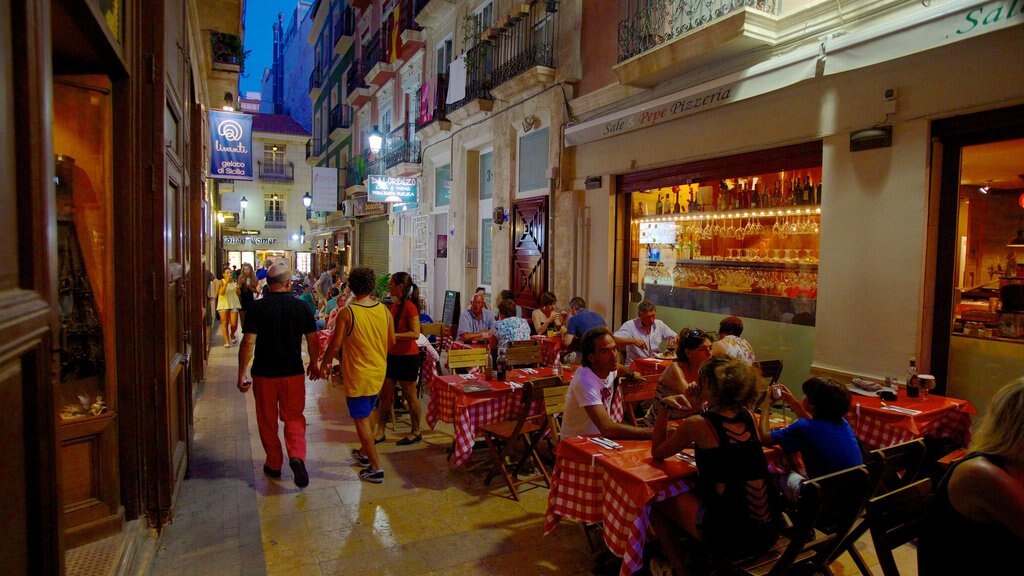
(361, 406)
(405, 368)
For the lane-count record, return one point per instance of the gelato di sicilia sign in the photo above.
(231, 145)
(391, 189)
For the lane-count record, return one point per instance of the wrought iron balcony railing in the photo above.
(432, 96)
(479, 60)
(373, 52)
(226, 49)
(344, 23)
(400, 146)
(526, 43)
(645, 24)
(276, 171)
(355, 78)
(407, 10)
(315, 79)
(341, 117)
(314, 147)
(275, 219)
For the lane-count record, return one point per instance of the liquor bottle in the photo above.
(817, 194)
(913, 389)
(807, 192)
(488, 370)
(755, 197)
(556, 366)
(502, 365)
(765, 196)
(794, 191)
(659, 208)
(677, 209)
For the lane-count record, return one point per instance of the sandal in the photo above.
(380, 440)
(409, 441)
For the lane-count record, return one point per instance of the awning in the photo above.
(758, 79)
(927, 28)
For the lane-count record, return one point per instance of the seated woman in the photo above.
(545, 317)
(509, 327)
(734, 510)
(681, 376)
(974, 523)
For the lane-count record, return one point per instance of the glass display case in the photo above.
(749, 243)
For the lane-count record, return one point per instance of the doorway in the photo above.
(440, 255)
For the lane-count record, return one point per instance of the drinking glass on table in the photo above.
(927, 382)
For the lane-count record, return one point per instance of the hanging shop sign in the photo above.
(325, 189)
(230, 146)
(254, 240)
(364, 208)
(391, 189)
(249, 232)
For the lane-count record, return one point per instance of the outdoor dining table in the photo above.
(909, 418)
(455, 399)
(550, 346)
(650, 365)
(592, 484)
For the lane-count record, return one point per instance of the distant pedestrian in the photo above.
(364, 331)
(228, 306)
(324, 283)
(272, 340)
(247, 288)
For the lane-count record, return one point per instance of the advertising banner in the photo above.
(325, 189)
(230, 146)
(391, 189)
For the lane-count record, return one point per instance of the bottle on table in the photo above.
(913, 389)
(502, 364)
(556, 366)
(488, 370)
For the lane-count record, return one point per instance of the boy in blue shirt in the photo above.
(821, 434)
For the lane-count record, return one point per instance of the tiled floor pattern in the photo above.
(425, 519)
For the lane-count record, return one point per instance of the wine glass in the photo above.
(927, 382)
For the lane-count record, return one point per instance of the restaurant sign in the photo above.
(391, 189)
(364, 208)
(255, 240)
(249, 232)
(230, 145)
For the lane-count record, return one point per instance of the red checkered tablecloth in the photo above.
(648, 366)
(550, 346)
(591, 485)
(940, 417)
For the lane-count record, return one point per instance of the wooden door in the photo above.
(529, 252)
(30, 506)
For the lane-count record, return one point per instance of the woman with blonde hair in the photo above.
(974, 522)
(228, 306)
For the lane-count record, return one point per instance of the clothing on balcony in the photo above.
(456, 80)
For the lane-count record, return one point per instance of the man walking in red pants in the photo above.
(273, 330)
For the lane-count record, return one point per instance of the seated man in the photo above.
(581, 321)
(642, 336)
(476, 322)
(589, 397)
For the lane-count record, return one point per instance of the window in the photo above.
(486, 176)
(444, 55)
(273, 160)
(486, 245)
(443, 185)
(384, 125)
(533, 161)
(275, 210)
(483, 18)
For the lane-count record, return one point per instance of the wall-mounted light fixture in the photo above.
(244, 203)
(376, 140)
(299, 236)
(530, 122)
(307, 200)
(875, 137)
(229, 102)
(499, 217)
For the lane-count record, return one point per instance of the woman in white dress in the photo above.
(228, 306)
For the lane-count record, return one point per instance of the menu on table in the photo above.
(475, 386)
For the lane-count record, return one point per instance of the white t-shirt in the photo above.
(586, 389)
(634, 329)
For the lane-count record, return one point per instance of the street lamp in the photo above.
(244, 204)
(376, 140)
(307, 200)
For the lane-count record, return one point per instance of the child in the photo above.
(822, 435)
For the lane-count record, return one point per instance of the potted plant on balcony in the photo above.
(359, 164)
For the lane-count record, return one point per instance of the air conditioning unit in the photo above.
(348, 207)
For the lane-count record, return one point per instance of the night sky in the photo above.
(260, 16)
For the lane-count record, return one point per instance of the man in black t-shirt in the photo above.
(272, 340)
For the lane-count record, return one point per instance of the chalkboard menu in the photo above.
(452, 308)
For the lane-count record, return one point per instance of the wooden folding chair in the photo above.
(825, 512)
(524, 354)
(437, 330)
(634, 394)
(467, 358)
(523, 343)
(554, 406)
(891, 468)
(897, 517)
(528, 428)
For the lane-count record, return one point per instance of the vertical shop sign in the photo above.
(230, 146)
(325, 189)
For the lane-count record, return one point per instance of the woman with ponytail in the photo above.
(403, 356)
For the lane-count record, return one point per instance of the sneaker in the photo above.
(360, 458)
(370, 475)
(299, 469)
(271, 472)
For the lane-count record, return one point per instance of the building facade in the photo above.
(103, 340)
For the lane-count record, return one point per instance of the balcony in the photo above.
(375, 61)
(354, 177)
(279, 172)
(275, 219)
(476, 100)
(411, 35)
(524, 52)
(226, 52)
(358, 92)
(662, 39)
(315, 81)
(401, 152)
(435, 13)
(344, 30)
(432, 120)
(340, 122)
(314, 149)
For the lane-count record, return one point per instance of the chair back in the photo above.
(432, 329)
(533, 390)
(467, 357)
(771, 370)
(526, 355)
(896, 466)
(553, 392)
(522, 343)
(897, 517)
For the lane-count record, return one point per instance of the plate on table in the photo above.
(862, 392)
(665, 356)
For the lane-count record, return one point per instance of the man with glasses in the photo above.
(642, 336)
(589, 397)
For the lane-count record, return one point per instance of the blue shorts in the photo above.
(361, 406)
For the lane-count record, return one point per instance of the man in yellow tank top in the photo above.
(364, 332)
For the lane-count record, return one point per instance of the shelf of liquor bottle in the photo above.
(731, 214)
(810, 266)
